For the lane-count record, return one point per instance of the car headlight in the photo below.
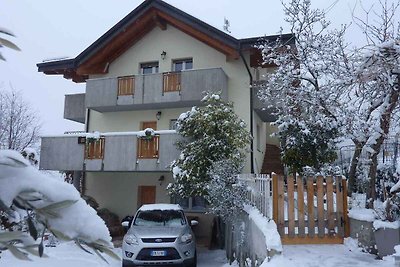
(186, 238)
(131, 240)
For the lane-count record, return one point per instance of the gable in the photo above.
(175, 43)
(97, 58)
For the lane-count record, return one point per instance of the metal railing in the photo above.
(389, 154)
(258, 191)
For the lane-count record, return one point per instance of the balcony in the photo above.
(74, 108)
(262, 108)
(111, 152)
(161, 90)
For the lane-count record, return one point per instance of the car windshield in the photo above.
(160, 218)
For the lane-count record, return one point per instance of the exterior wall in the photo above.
(259, 152)
(118, 191)
(130, 120)
(272, 140)
(177, 45)
(74, 108)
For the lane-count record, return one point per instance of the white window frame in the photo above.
(154, 65)
(184, 61)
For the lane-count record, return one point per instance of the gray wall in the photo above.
(101, 94)
(120, 154)
(74, 107)
(61, 153)
(244, 239)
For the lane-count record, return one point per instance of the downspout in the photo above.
(251, 108)
(83, 177)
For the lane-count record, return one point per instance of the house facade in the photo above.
(143, 73)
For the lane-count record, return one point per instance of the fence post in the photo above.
(275, 197)
(345, 209)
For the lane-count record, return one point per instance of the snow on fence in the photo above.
(258, 191)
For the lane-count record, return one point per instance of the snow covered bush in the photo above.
(50, 205)
(306, 144)
(211, 133)
(226, 195)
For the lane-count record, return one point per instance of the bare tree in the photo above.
(19, 124)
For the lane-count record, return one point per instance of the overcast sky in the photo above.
(54, 28)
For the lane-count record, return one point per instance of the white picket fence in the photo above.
(258, 191)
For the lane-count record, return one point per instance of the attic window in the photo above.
(183, 64)
(149, 68)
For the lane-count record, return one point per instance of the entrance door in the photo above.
(146, 195)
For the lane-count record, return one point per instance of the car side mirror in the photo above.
(194, 223)
(125, 224)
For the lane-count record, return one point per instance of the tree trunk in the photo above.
(353, 167)
(384, 125)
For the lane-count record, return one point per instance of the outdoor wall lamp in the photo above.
(158, 115)
(161, 179)
(163, 55)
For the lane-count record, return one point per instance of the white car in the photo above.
(159, 235)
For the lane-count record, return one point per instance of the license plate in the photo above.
(158, 253)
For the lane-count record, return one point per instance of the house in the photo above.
(143, 73)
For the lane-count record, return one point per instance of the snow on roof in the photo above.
(160, 206)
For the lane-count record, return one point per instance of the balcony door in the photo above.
(148, 124)
(146, 195)
(148, 148)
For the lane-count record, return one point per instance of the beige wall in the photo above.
(118, 192)
(130, 120)
(259, 152)
(177, 45)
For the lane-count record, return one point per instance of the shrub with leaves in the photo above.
(210, 133)
(46, 204)
(226, 195)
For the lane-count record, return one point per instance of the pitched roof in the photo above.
(149, 14)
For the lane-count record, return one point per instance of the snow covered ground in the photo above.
(67, 255)
(347, 255)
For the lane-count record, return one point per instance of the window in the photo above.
(182, 64)
(148, 146)
(196, 203)
(95, 149)
(171, 82)
(172, 124)
(167, 218)
(149, 68)
(126, 85)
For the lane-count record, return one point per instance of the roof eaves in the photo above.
(286, 39)
(57, 64)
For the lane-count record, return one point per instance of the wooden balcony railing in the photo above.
(171, 82)
(148, 148)
(95, 149)
(126, 85)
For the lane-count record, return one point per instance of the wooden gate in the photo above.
(310, 210)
